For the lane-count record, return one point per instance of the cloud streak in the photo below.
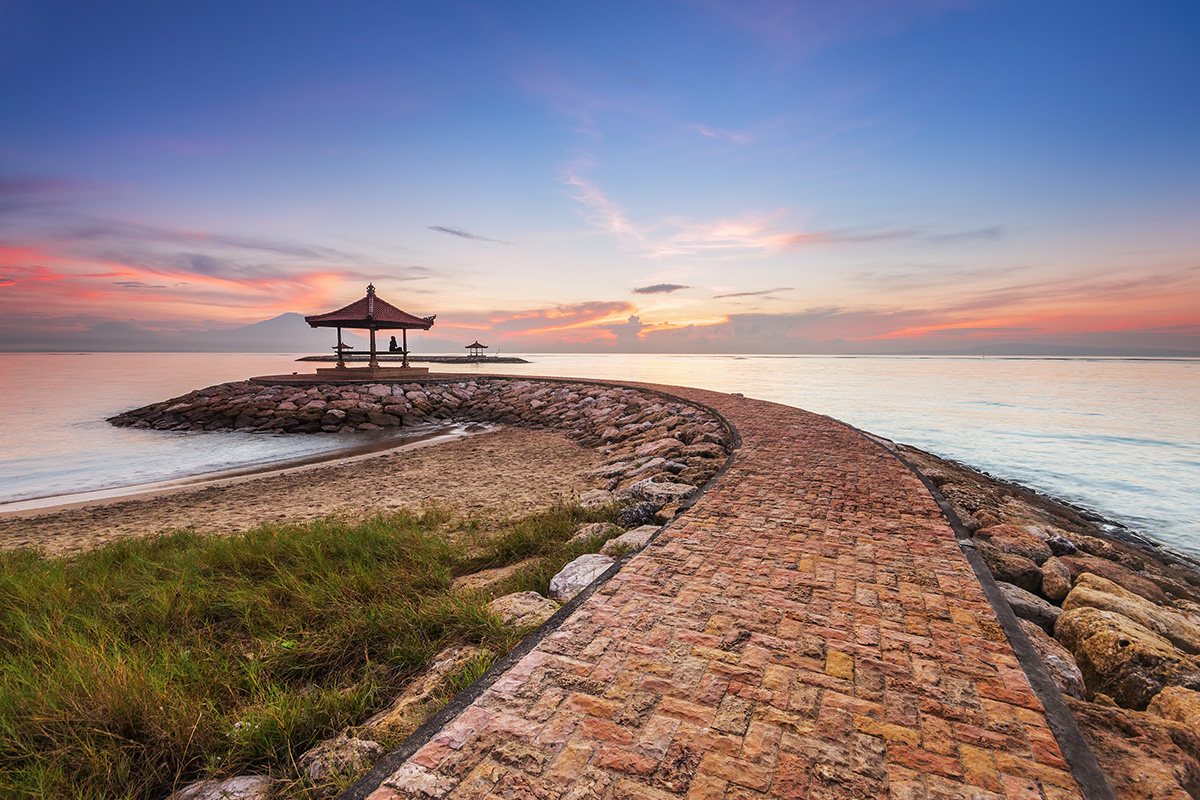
(660, 288)
(760, 293)
(463, 234)
(753, 233)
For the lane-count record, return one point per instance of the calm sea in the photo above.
(1118, 436)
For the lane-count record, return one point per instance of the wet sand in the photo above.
(511, 470)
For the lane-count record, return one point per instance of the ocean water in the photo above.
(1118, 436)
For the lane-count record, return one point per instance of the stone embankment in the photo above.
(658, 449)
(1115, 619)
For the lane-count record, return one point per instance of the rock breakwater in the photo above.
(658, 450)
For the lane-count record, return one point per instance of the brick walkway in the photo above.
(809, 629)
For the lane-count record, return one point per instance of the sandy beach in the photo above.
(511, 470)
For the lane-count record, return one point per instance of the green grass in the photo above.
(153, 662)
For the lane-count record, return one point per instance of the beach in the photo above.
(508, 471)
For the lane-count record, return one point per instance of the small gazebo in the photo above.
(373, 314)
(476, 349)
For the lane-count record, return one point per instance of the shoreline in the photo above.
(48, 504)
(484, 472)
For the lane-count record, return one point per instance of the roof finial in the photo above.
(370, 288)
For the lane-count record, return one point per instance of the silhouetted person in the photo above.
(393, 347)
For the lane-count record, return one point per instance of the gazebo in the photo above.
(476, 349)
(373, 314)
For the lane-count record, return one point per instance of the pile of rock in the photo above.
(1115, 619)
(249, 407)
(659, 450)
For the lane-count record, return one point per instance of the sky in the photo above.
(752, 176)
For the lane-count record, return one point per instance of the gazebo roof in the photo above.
(370, 312)
(476, 344)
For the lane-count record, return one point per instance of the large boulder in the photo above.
(578, 575)
(1057, 659)
(1117, 573)
(637, 514)
(1123, 659)
(1144, 757)
(1010, 568)
(523, 609)
(421, 697)
(243, 787)
(666, 447)
(666, 492)
(1061, 546)
(1027, 605)
(339, 757)
(1056, 579)
(1096, 592)
(630, 540)
(1016, 540)
(596, 497)
(594, 530)
(1178, 704)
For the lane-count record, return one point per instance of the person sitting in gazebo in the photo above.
(394, 347)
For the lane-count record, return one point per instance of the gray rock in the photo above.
(1058, 660)
(608, 470)
(523, 609)
(637, 514)
(594, 530)
(655, 463)
(596, 497)
(576, 576)
(1029, 606)
(1061, 546)
(630, 540)
(341, 756)
(243, 787)
(667, 492)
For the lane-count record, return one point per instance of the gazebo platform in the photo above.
(372, 373)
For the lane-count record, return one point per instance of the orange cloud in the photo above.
(561, 319)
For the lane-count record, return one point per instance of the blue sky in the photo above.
(796, 177)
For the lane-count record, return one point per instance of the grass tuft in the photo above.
(138, 667)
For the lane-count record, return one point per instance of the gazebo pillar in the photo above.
(341, 351)
(404, 334)
(374, 360)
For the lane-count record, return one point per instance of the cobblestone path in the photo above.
(810, 629)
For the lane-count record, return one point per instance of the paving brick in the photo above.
(810, 628)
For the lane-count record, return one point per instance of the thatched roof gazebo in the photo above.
(476, 349)
(374, 314)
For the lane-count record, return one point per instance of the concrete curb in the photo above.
(1071, 741)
